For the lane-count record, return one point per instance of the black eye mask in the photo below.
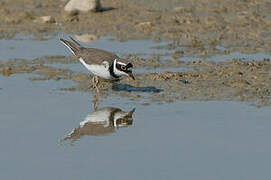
(119, 67)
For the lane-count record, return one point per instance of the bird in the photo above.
(101, 122)
(99, 62)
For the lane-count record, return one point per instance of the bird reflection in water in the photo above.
(101, 122)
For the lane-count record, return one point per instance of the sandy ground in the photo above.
(197, 27)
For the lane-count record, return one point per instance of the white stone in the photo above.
(145, 26)
(86, 37)
(179, 9)
(83, 5)
(47, 19)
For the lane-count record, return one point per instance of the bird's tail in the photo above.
(72, 45)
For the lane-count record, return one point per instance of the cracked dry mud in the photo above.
(229, 80)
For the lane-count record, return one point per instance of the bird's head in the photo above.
(123, 119)
(123, 67)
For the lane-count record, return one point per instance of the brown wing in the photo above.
(96, 56)
(90, 129)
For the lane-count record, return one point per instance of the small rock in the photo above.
(86, 37)
(179, 9)
(146, 26)
(83, 5)
(47, 19)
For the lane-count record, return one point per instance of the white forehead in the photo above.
(119, 62)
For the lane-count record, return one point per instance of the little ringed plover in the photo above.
(99, 62)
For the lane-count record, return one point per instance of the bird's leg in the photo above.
(96, 84)
(95, 102)
(96, 96)
(92, 82)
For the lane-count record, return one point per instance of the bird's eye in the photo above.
(123, 68)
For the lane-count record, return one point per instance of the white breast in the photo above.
(101, 117)
(98, 70)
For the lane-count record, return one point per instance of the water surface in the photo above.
(26, 47)
(181, 140)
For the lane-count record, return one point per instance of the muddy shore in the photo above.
(195, 27)
(229, 80)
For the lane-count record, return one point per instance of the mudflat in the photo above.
(196, 26)
(201, 80)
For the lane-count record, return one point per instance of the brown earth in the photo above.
(230, 80)
(196, 27)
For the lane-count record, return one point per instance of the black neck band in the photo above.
(111, 70)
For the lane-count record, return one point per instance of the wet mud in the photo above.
(237, 80)
(195, 27)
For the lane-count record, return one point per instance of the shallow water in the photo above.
(26, 47)
(180, 140)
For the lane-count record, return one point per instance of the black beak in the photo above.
(129, 72)
(131, 75)
(129, 65)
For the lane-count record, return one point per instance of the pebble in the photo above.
(47, 19)
(83, 5)
(145, 25)
(179, 9)
(86, 37)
